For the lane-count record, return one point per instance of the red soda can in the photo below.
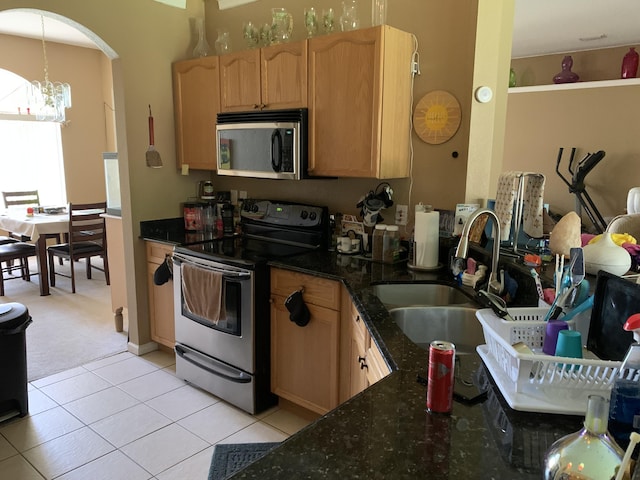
(440, 387)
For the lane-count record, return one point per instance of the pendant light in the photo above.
(48, 101)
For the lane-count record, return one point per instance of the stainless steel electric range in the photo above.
(221, 292)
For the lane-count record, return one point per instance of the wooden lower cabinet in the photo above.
(161, 316)
(304, 360)
(363, 363)
(329, 360)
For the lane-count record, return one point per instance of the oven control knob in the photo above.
(304, 214)
(254, 208)
(312, 216)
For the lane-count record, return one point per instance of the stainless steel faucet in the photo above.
(495, 285)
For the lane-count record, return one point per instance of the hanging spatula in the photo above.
(153, 156)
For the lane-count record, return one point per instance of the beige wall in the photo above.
(590, 119)
(83, 138)
(148, 36)
(590, 65)
(446, 44)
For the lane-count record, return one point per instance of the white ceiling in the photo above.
(541, 27)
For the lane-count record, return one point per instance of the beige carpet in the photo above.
(68, 329)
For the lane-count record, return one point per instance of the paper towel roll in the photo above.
(426, 237)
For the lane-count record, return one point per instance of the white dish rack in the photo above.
(537, 382)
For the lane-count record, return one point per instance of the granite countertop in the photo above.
(385, 432)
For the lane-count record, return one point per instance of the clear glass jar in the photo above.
(349, 19)
(378, 12)
(378, 242)
(589, 454)
(391, 244)
(223, 42)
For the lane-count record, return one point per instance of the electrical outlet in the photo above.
(402, 211)
(242, 195)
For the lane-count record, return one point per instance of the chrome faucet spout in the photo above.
(462, 250)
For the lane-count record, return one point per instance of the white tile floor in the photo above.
(127, 417)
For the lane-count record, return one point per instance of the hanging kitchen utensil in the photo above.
(153, 156)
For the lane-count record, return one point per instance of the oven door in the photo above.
(231, 339)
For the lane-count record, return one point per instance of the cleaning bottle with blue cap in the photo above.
(624, 407)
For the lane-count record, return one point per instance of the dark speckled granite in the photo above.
(385, 432)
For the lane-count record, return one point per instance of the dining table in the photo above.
(36, 227)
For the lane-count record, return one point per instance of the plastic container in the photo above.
(624, 408)
(378, 242)
(391, 244)
(536, 382)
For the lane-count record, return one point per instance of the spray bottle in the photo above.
(624, 408)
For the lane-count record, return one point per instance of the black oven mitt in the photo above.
(162, 273)
(298, 311)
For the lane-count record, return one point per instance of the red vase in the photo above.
(629, 64)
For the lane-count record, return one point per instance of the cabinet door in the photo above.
(161, 316)
(196, 96)
(284, 75)
(304, 360)
(359, 95)
(240, 81)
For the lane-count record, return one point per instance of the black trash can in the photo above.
(14, 320)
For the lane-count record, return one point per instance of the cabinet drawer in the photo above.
(359, 331)
(316, 290)
(156, 251)
(378, 368)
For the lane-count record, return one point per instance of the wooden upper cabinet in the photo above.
(272, 78)
(240, 81)
(196, 96)
(360, 103)
(284, 75)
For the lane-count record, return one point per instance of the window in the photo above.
(31, 154)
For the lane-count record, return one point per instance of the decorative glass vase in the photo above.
(223, 42)
(589, 454)
(566, 75)
(349, 19)
(202, 47)
(378, 12)
(630, 64)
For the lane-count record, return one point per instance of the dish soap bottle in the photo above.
(589, 454)
(624, 409)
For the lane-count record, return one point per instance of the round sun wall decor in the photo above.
(436, 117)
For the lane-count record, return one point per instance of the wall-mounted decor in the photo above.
(436, 117)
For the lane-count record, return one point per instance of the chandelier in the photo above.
(48, 100)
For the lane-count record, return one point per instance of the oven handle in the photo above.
(191, 357)
(208, 266)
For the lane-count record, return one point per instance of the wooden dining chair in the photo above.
(86, 238)
(10, 252)
(25, 199)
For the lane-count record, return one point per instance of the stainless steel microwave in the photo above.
(264, 144)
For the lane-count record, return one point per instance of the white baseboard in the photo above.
(142, 349)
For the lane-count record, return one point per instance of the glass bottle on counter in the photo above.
(589, 454)
(377, 242)
(390, 244)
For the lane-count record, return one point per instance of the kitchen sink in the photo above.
(413, 294)
(456, 324)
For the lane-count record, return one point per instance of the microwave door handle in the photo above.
(276, 151)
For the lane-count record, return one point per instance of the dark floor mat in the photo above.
(229, 458)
